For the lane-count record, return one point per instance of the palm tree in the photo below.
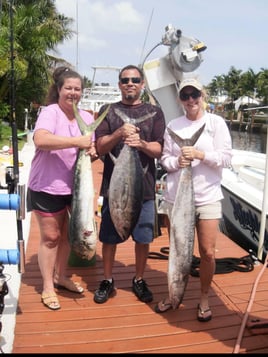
(262, 85)
(37, 29)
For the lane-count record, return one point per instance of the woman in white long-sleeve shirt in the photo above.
(208, 156)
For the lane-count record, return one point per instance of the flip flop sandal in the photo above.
(201, 313)
(162, 306)
(51, 301)
(70, 286)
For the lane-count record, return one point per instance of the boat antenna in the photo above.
(146, 36)
(76, 35)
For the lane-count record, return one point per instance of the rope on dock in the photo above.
(223, 265)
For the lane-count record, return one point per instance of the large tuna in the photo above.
(182, 228)
(82, 225)
(127, 185)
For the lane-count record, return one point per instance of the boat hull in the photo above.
(242, 187)
(241, 223)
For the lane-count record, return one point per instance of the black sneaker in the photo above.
(141, 290)
(105, 290)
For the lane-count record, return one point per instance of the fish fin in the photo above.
(127, 119)
(196, 135)
(113, 158)
(97, 122)
(69, 213)
(84, 128)
(190, 141)
(145, 117)
(122, 116)
(145, 169)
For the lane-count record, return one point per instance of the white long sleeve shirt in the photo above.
(215, 141)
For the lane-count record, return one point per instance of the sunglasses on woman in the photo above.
(186, 96)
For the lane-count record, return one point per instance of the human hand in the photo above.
(127, 130)
(183, 162)
(188, 152)
(92, 152)
(133, 140)
(84, 142)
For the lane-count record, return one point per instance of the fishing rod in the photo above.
(14, 172)
(13, 200)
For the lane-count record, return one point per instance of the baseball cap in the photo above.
(190, 82)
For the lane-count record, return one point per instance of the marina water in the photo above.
(250, 141)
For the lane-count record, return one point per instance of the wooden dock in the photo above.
(124, 324)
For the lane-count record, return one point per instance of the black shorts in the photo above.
(47, 204)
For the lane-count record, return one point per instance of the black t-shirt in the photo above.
(151, 129)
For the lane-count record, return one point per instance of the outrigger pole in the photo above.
(15, 176)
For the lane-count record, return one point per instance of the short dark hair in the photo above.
(131, 66)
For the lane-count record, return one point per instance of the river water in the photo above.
(243, 140)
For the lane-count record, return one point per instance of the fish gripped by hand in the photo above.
(126, 189)
(82, 225)
(182, 227)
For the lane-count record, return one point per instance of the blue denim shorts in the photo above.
(143, 231)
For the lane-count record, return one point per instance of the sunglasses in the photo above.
(135, 80)
(186, 96)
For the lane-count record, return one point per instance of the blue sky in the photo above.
(121, 32)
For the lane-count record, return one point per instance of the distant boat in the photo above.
(242, 206)
(99, 94)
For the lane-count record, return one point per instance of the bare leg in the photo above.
(141, 254)
(108, 256)
(207, 232)
(50, 230)
(63, 251)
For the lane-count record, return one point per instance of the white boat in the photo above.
(242, 206)
(99, 94)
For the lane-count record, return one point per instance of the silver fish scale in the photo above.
(82, 228)
(182, 227)
(82, 225)
(126, 191)
(181, 238)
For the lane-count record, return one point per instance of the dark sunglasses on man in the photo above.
(186, 96)
(135, 80)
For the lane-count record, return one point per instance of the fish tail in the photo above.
(91, 127)
(182, 142)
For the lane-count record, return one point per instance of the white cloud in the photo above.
(114, 32)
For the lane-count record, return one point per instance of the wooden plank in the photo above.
(125, 325)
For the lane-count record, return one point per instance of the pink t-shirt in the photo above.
(53, 171)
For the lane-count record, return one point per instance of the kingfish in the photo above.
(82, 225)
(126, 189)
(182, 227)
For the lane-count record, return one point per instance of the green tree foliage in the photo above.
(37, 29)
(237, 83)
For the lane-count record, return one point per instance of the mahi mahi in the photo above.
(182, 227)
(82, 225)
(126, 189)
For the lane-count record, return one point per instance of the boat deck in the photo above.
(125, 325)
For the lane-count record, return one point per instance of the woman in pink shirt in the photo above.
(210, 153)
(57, 139)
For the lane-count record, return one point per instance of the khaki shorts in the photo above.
(210, 211)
